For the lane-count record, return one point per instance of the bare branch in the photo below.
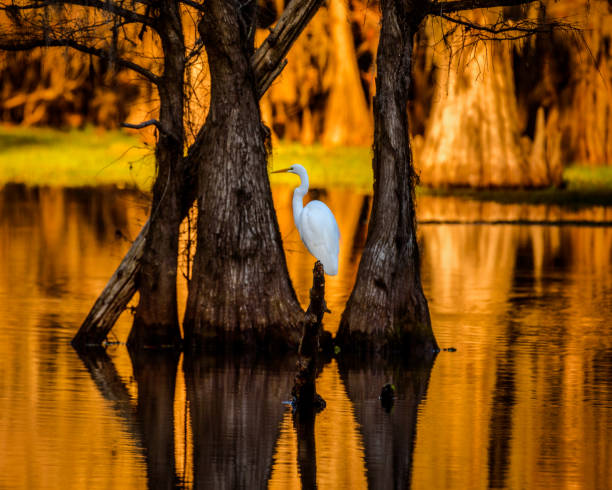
(507, 31)
(106, 6)
(28, 44)
(196, 50)
(439, 8)
(267, 80)
(150, 122)
(268, 57)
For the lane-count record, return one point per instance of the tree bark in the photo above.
(267, 62)
(387, 309)
(156, 319)
(240, 290)
(570, 86)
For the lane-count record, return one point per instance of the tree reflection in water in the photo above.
(151, 420)
(388, 435)
(525, 402)
(236, 413)
(235, 404)
(155, 374)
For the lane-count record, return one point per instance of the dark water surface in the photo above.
(524, 402)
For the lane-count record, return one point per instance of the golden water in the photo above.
(524, 402)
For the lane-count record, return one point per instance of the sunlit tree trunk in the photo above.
(473, 135)
(240, 289)
(387, 309)
(347, 118)
(588, 117)
(156, 319)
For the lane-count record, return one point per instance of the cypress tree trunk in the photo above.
(473, 135)
(240, 289)
(268, 62)
(387, 309)
(156, 318)
(586, 112)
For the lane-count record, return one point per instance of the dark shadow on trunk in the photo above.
(388, 426)
(387, 309)
(236, 407)
(359, 237)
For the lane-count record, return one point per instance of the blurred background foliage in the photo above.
(483, 114)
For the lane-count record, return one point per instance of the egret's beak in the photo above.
(282, 170)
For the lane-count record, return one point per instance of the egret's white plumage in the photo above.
(316, 224)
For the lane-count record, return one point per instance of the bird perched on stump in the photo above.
(315, 223)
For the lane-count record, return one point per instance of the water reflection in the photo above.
(339, 461)
(155, 374)
(388, 432)
(524, 402)
(235, 407)
(304, 424)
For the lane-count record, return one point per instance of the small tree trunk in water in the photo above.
(307, 401)
(387, 309)
(240, 289)
(156, 319)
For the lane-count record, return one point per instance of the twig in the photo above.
(150, 122)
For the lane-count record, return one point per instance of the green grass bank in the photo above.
(90, 157)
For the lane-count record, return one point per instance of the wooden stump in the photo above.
(305, 397)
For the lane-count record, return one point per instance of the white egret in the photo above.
(315, 223)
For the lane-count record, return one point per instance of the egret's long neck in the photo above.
(298, 195)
